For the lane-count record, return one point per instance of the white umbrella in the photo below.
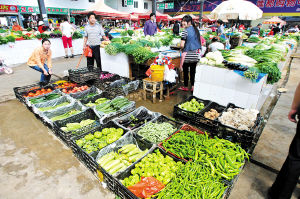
(237, 9)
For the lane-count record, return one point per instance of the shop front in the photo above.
(8, 14)
(29, 15)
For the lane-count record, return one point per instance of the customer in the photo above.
(190, 45)
(67, 31)
(16, 27)
(255, 30)
(215, 45)
(37, 61)
(276, 29)
(150, 27)
(93, 33)
(220, 29)
(288, 176)
(176, 28)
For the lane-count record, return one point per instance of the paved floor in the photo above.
(35, 164)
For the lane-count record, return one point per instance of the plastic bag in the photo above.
(27, 99)
(170, 75)
(146, 187)
(88, 52)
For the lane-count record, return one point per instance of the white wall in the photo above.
(80, 4)
(117, 4)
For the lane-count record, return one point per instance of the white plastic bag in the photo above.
(170, 75)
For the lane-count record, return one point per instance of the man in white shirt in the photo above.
(215, 45)
(67, 31)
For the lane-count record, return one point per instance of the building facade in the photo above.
(130, 6)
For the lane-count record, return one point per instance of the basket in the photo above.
(160, 119)
(83, 74)
(244, 137)
(125, 193)
(157, 73)
(21, 91)
(66, 136)
(90, 159)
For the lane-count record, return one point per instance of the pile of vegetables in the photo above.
(114, 162)
(254, 39)
(45, 98)
(50, 108)
(88, 96)
(192, 106)
(75, 89)
(65, 115)
(65, 85)
(223, 157)
(97, 102)
(38, 92)
(75, 126)
(213, 59)
(212, 114)
(113, 106)
(156, 132)
(156, 165)
(134, 122)
(100, 139)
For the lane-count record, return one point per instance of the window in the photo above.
(136, 4)
(124, 3)
(146, 5)
(92, 1)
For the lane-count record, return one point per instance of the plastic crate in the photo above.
(89, 159)
(93, 99)
(66, 136)
(185, 127)
(122, 191)
(244, 137)
(107, 80)
(21, 91)
(206, 121)
(83, 74)
(160, 119)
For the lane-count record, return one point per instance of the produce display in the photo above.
(97, 102)
(254, 39)
(212, 114)
(114, 162)
(251, 74)
(156, 132)
(64, 85)
(134, 122)
(75, 89)
(100, 139)
(75, 126)
(88, 96)
(213, 59)
(242, 119)
(113, 106)
(104, 76)
(65, 115)
(192, 106)
(156, 165)
(45, 98)
(50, 108)
(38, 92)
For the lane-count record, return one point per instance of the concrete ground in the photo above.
(35, 164)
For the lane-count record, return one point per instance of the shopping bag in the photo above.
(88, 52)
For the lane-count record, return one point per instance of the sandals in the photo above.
(182, 88)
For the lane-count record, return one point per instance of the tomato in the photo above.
(43, 90)
(49, 89)
(30, 95)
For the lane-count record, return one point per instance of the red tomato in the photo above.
(49, 89)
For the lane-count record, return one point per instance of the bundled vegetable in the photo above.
(75, 126)
(45, 98)
(49, 108)
(97, 102)
(98, 140)
(156, 132)
(213, 59)
(113, 106)
(65, 115)
(163, 168)
(88, 96)
(115, 162)
(193, 106)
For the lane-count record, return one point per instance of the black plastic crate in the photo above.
(21, 91)
(83, 74)
(244, 137)
(125, 193)
(177, 125)
(107, 80)
(213, 105)
(66, 136)
(89, 159)
(94, 98)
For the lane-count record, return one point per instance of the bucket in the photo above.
(157, 73)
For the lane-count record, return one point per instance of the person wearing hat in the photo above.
(255, 30)
(42, 28)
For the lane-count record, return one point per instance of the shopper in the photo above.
(190, 45)
(288, 176)
(176, 28)
(93, 33)
(276, 29)
(16, 27)
(255, 30)
(215, 45)
(37, 61)
(220, 29)
(150, 27)
(67, 31)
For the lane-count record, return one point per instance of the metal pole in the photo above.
(154, 6)
(201, 12)
(43, 12)
(20, 20)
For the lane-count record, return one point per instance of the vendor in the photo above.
(255, 30)
(150, 27)
(37, 61)
(215, 45)
(42, 28)
(16, 27)
(190, 45)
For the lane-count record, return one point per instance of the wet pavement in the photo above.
(35, 164)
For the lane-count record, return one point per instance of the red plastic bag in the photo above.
(88, 52)
(146, 187)
(148, 72)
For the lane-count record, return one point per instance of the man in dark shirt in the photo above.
(276, 29)
(255, 30)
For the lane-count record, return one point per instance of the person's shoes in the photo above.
(66, 57)
(72, 56)
(182, 88)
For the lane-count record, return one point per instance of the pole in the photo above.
(43, 12)
(201, 12)
(154, 6)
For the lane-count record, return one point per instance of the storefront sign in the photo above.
(8, 8)
(75, 11)
(160, 6)
(169, 5)
(29, 9)
(57, 11)
(129, 2)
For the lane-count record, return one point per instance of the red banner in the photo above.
(8, 8)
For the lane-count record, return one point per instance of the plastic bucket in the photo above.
(157, 73)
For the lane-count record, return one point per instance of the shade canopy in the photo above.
(159, 16)
(237, 9)
(274, 20)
